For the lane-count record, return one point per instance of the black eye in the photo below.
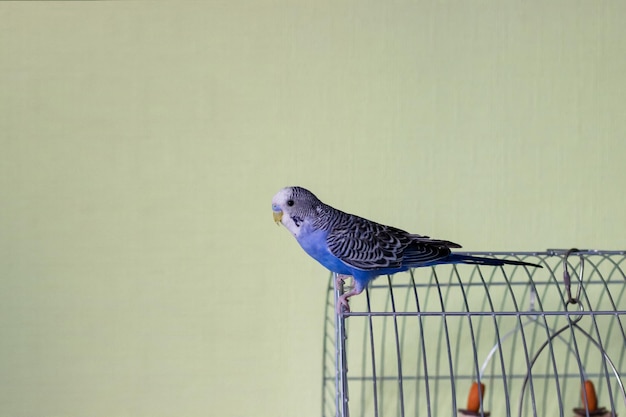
(290, 203)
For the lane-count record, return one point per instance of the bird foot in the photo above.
(342, 305)
(340, 280)
(342, 302)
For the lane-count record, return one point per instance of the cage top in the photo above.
(549, 252)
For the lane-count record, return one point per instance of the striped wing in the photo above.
(367, 245)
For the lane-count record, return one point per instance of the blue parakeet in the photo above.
(350, 245)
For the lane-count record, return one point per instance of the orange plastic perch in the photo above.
(475, 397)
(590, 401)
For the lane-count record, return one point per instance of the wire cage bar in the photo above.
(469, 340)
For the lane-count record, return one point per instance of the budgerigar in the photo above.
(349, 245)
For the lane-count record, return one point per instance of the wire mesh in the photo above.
(473, 340)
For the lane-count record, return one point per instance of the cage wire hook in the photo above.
(567, 278)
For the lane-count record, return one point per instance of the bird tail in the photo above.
(479, 260)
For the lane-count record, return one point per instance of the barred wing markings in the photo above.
(367, 245)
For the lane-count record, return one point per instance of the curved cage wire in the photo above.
(468, 340)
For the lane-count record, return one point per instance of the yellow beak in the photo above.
(278, 215)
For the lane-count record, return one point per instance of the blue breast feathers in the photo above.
(314, 243)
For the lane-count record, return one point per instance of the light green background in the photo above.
(141, 144)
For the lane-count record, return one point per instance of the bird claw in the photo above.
(342, 301)
(339, 280)
(342, 305)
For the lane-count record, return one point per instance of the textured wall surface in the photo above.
(141, 143)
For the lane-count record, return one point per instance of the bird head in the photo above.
(292, 205)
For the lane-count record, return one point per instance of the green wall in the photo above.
(141, 143)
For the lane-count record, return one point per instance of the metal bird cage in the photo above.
(467, 340)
